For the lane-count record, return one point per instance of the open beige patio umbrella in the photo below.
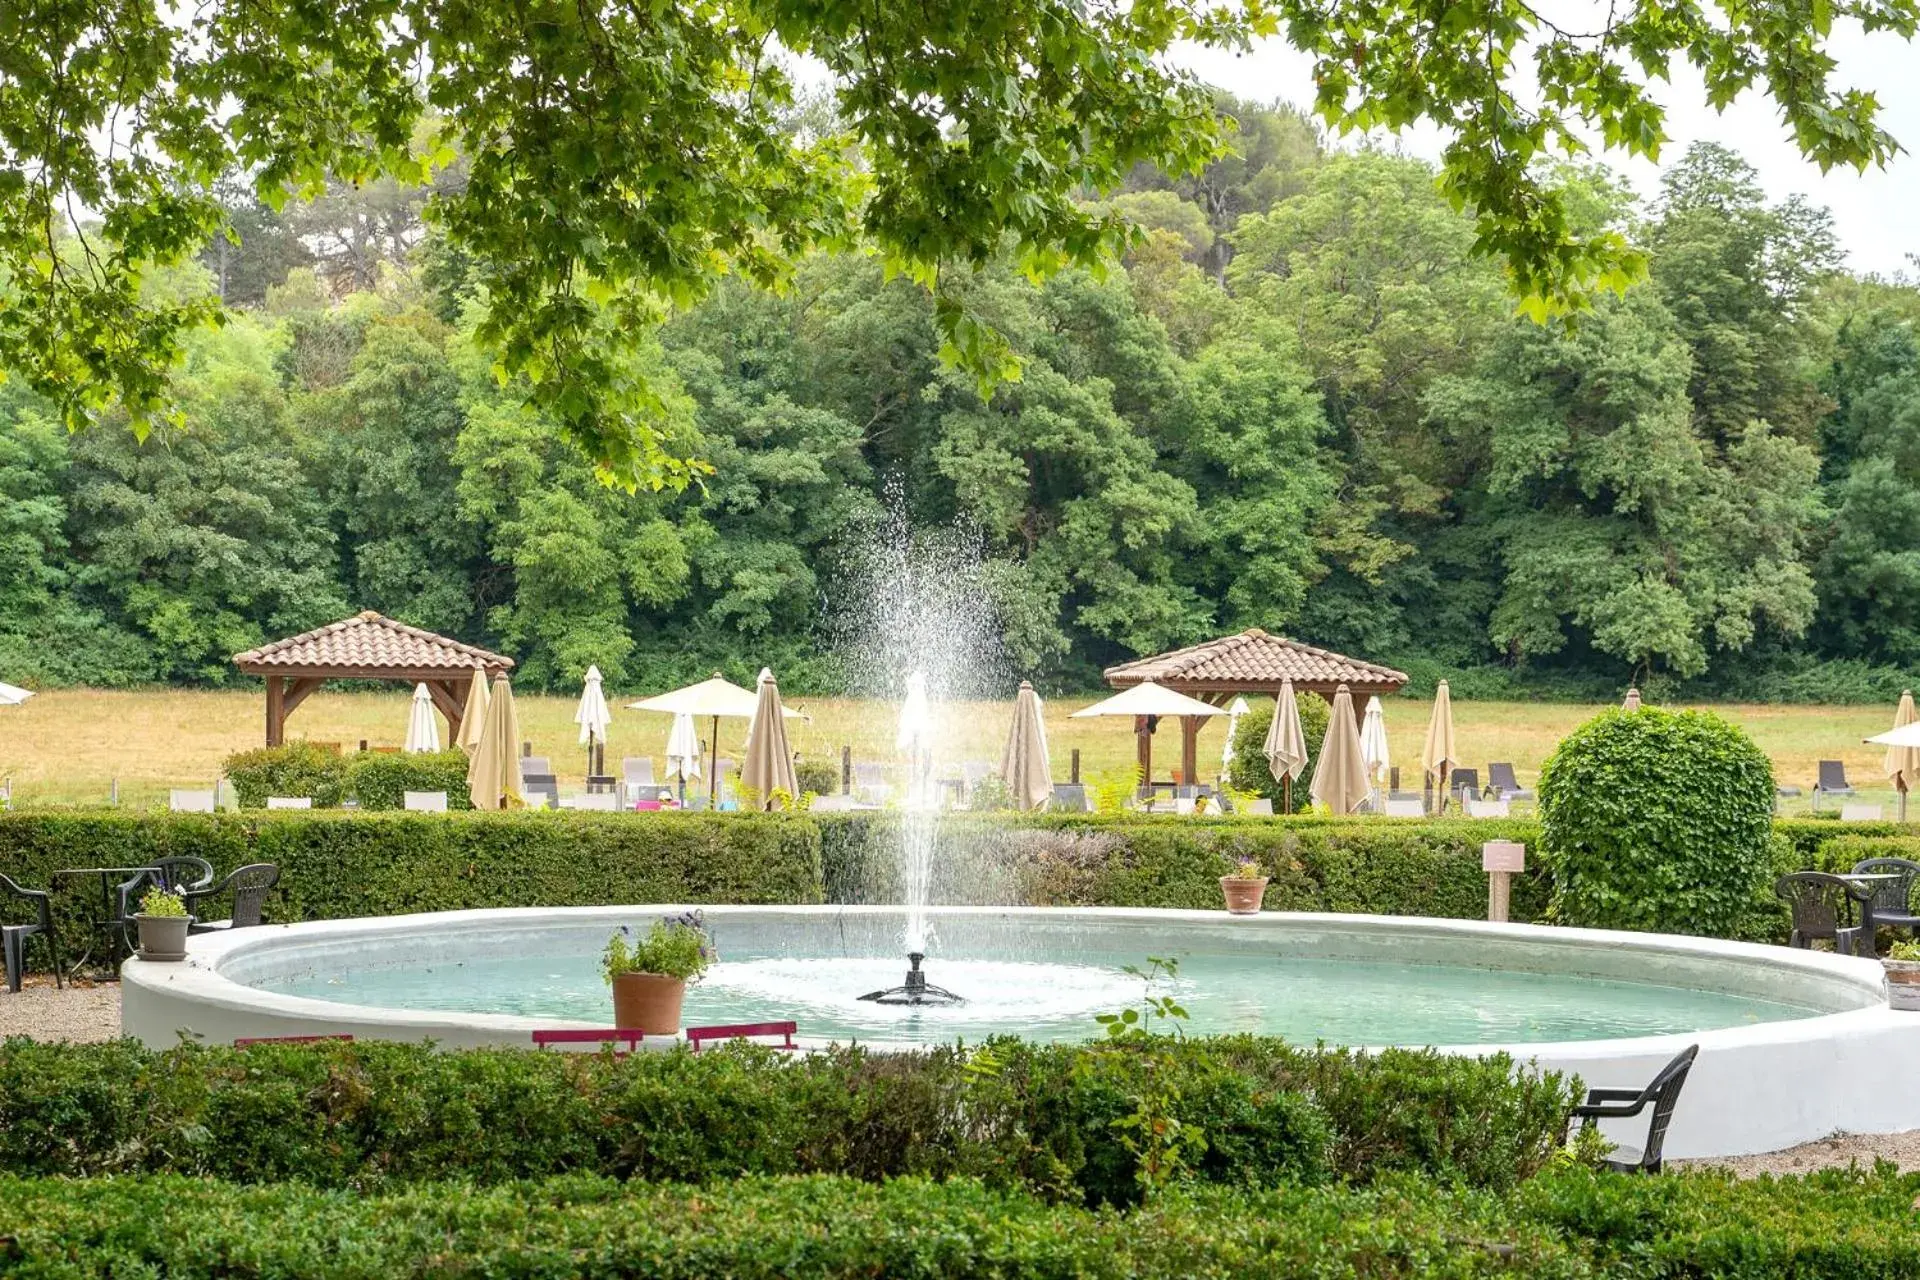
(1438, 756)
(710, 699)
(1286, 745)
(1340, 774)
(473, 720)
(1903, 763)
(493, 775)
(1149, 702)
(1024, 765)
(769, 766)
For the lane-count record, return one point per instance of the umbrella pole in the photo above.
(713, 769)
(1286, 794)
(1903, 797)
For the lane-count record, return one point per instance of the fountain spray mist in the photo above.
(913, 621)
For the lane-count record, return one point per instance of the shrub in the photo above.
(381, 779)
(756, 1229)
(821, 777)
(296, 769)
(1049, 1118)
(339, 864)
(1657, 820)
(1250, 770)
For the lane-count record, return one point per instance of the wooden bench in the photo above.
(697, 1036)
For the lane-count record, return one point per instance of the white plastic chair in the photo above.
(603, 801)
(1413, 808)
(289, 802)
(190, 801)
(1261, 808)
(425, 801)
(1859, 813)
(1477, 808)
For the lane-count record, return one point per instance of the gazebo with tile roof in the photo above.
(1251, 661)
(367, 646)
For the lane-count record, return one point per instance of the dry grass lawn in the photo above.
(70, 746)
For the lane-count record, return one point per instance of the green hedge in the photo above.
(380, 780)
(1380, 866)
(1056, 1120)
(756, 1229)
(1564, 1225)
(340, 864)
(296, 769)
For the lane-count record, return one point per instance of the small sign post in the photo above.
(1500, 859)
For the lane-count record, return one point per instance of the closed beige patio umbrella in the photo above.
(1024, 765)
(473, 720)
(493, 775)
(1438, 756)
(1633, 699)
(1286, 745)
(1340, 774)
(769, 766)
(1903, 763)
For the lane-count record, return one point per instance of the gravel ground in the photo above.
(76, 1013)
(1838, 1151)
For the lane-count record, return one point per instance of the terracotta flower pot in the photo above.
(1903, 983)
(648, 1002)
(1244, 893)
(162, 937)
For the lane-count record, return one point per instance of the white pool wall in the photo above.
(1753, 1088)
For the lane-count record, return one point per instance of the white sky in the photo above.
(1876, 214)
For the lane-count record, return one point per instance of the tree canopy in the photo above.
(616, 162)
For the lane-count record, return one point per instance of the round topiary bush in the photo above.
(1250, 771)
(1659, 821)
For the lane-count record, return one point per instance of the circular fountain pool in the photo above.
(1612, 1006)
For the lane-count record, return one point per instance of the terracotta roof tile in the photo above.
(367, 642)
(1257, 661)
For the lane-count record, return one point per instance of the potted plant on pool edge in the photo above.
(162, 921)
(649, 977)
(1902, 963)
(1244, 888)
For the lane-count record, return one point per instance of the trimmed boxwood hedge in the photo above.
(1567, 1224)
(1052, 1119)
(338, 864)
(754, 1229)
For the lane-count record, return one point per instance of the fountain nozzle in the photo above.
(916, 989)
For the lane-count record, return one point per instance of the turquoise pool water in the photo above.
(1056, 997)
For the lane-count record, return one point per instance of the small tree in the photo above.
(1656, 820)
(1250, 771)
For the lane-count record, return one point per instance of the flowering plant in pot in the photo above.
(1244, 888)
(162, 921)
(1902, 963)
(649, 975)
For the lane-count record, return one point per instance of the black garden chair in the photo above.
(14, 937)
(1832, 781)
(249, 886)
(1663, 1094)
(1892, 899)
(182, 872)
(1830, 907)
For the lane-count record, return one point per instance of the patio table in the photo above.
(103, 923)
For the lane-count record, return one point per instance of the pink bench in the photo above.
(591, 1035)
(697, 1036)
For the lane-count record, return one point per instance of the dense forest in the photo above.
(1301, 402)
